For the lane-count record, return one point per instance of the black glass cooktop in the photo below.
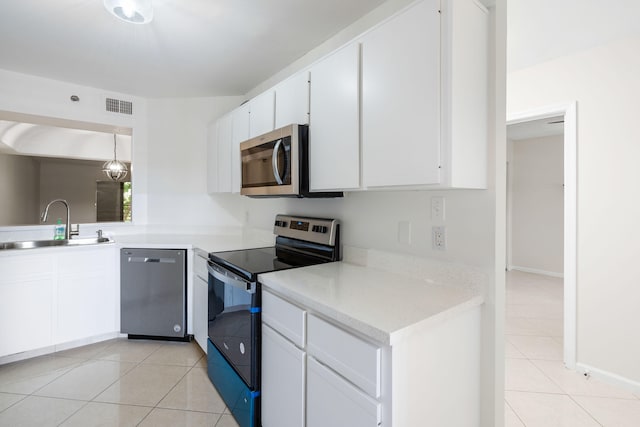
(250, 262)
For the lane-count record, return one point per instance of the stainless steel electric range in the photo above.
(233, 348)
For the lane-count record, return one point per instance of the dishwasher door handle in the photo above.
(147, 259)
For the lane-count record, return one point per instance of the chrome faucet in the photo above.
(67, 229)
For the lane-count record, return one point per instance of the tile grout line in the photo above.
(585, 410)
(514, 411)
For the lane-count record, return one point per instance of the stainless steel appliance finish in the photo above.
(153, 293)
(234, 305)
(34, 244)
(277, 164)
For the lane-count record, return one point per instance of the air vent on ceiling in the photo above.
(119, 106)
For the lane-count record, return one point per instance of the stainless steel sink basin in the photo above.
(49, 243)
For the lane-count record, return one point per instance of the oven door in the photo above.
(234, 321)
(270, 163)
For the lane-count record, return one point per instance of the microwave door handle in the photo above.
(274, 161)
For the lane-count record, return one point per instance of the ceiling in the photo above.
(543, 30)
(191, 48)
(536, 128)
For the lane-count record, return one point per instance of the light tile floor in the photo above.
(114, 383)
(155, 383)
(540, 392)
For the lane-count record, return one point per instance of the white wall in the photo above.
(371, 220)
(177, 163)
(19, 182)
(536, 202)
(21, 93)
(604, 82)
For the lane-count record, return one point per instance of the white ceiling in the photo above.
(536, 128)
(191, 48)
(542, 30)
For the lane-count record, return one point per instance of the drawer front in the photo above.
(283, 381)
(332, 401)
(284, 317)
(200, 267)
(357, 360)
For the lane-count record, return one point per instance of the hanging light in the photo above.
(115, 169)
(133, 11)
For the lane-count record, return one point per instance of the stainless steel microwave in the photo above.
(276, 164)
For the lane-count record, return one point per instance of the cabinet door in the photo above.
(283, 373)
(261, 119)
(26, 291)
(224, 131)
(334, 146)
(87, 305)
(332, 401)
(292, 100)
(212, 158)
(240, 133)
(200, 295)
(401, 99)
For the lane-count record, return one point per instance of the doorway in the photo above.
(536, 121)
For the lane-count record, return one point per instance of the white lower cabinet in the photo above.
(86, 294)
(200, 301)
(26, 291)
(338, 386)
(26, 315)
(56, 296)
(333, 401)
(283, 381)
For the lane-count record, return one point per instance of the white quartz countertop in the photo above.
(207, 243)
(380, 305)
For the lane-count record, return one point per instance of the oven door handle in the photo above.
(226, 276)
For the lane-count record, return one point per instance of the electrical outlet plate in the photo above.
(438, 238)
(437, 208)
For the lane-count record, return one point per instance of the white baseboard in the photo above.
(609, 377)
(535, 271)
(59, 347)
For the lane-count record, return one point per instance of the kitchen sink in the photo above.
(32, 244)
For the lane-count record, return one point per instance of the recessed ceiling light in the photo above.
(133, 11)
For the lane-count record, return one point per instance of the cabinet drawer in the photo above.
(357, 360)
(283, 381)
(284, 317)
(200, 267)
(332, 401)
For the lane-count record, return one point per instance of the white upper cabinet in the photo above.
(401, 99)
(212, 158)
(404, 105)
(334, 145)
(262, 117)
(219, 155)
(292, 100)
(240, 133)
(223, 142)
(465, 93)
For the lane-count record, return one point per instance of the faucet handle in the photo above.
(74, 230)
(99, 233)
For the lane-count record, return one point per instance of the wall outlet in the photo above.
(438, 238)
(437, 208)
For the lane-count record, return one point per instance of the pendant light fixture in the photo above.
(115, 169)
(132, 11)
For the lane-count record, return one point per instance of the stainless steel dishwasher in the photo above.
(153, 293)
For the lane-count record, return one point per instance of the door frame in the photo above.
(569, 112)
